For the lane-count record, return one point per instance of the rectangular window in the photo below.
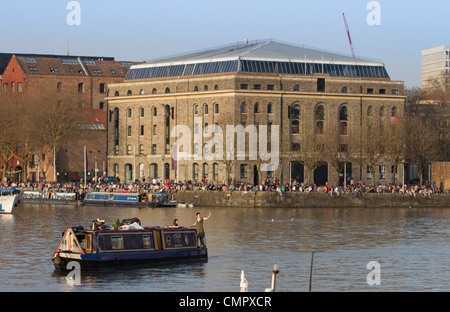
(370, 91)
(146, 241)
(270, 87)
(142, 130)
(129, 131)
(382, 91)
(195, 148)
(257, 87)
(321, 85)
(395, 91)
(382, 172)
(154, 149)
(154, 129)
(102, 88)
(244, 86)
(117, 242)
(243, 171)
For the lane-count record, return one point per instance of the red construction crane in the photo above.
(348, 33)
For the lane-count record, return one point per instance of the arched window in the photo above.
(295, 111)
(142, 111)
(167, 90)
(344, 89)
(59, 86)
(216, 87)
(319, 117)
(195, 88)
(269, 108)
(129, 112)
(205, 170)
(141, 92)
(154, 91)
(194, 171)
(129, 92)
(216, 108)
(206, 109)
(81, 87)
(319, 113)
(343, 120)
(370, 111)
(381, 111)
(296, 87)
(155, 111)
(343, 113)
(116, 93)
(294, 114)
(243, 108)
(205, 88)
(256, 108)
(116, 170)
(215, 171)
(394, 111)
(196, 109)
(153, 171)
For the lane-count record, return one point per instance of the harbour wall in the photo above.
(307, 200)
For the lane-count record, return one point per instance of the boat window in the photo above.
(88, 246)
(117, 242)
(147, 242)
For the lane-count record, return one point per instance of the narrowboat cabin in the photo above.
(127, 245)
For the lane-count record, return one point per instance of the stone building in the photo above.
(79, 81)
(306, 93)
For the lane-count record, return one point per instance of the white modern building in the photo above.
(435, 62)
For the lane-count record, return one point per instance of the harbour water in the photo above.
(411, 246)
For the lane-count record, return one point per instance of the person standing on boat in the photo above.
(200, 229)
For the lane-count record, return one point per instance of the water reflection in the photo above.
(411, 246)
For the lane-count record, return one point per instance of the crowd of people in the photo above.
(267, 185)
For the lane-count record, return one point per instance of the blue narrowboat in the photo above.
(129, 199)
(104, 247)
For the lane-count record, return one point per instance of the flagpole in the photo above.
(85, 166)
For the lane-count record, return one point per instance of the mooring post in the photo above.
(275, 271)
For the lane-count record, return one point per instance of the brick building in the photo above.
(303, 91)
(80, 80)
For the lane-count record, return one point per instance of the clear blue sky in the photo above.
(144, 29)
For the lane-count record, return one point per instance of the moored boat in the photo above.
(102, 246)
(153, 199)
(48, 197)
(8, 200)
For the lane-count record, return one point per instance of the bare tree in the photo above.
(337, 147)
(311, 150)
(394, 145)
(372, 146)
(421, 143)
(55, 122)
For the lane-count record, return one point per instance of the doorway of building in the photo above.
(321, 174)
(255, 175)
(128, 173)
